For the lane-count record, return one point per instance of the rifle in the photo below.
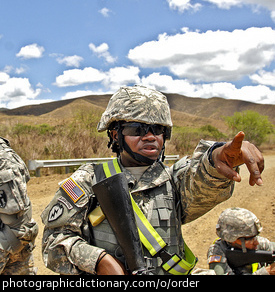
(113, 196)
(237, 258)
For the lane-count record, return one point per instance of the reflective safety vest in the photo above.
(172, 263)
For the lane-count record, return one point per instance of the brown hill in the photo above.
(214, 108)
(217, 107)
(71, 109)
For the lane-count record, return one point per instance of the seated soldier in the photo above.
(238, 228)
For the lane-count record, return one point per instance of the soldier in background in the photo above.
(17, 228)
(138, 122)
(238, 228)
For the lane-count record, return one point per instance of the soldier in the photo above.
(17, 228)
(238, 228)
(138, 123)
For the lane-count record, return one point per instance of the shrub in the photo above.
(255, 126)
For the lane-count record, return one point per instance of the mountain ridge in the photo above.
(214, 108)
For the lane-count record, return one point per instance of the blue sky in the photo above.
(53, 50)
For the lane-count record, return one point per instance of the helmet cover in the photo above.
(236, 222)
(136, 104)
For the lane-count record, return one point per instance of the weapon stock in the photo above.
(237, 258)
(113, 196)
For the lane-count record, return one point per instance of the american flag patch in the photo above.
(74, 191)
(214, 259)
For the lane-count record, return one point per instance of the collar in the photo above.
(155, 175)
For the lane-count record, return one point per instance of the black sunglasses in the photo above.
(141, 129)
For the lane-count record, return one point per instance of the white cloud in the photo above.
(9, 69)
(226, 4)
(79, 76)
(102, 51)
(183, 5)
(264, 77)
(112, 79)
(105, 12)
(15, 92)
(80, 93)
(165, 83)
(4, 77)
(118, 76)
(31, 51)
(77, 93)
(256, 4)
(209, 56)
(70, 61)
(20, 70)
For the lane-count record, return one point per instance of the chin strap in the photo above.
(243, 245)
(136, 156)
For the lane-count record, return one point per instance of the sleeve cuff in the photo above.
(211, 149)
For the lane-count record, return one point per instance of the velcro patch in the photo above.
(214, 259)
(73, 190)
(65, 202)
(56, 212)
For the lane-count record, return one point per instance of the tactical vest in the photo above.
(161, 214)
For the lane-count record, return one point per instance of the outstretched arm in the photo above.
(238, 152)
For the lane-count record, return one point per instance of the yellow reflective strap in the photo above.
(116, 166)
(189, 256)
(148, 235)
(178, 266)
(254, 267)
(106, 169)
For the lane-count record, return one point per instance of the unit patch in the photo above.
(65, 202)
(56, 212)
(73, 190)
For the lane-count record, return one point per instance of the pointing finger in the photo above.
(236, 143)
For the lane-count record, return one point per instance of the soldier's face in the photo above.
(250, 243)
(149, 145)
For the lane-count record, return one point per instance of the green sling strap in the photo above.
(149, 236)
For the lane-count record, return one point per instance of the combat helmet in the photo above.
(135, 104)
(236, 222)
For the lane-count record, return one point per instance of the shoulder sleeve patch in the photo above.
(214, 259)
(55, 212)
(73, 190)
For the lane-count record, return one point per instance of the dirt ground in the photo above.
(198, 234)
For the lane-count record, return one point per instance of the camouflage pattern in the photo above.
(235, 223)
(218, 249)
(17, 228)
(136, 104)
(20, 263)
(66, 244)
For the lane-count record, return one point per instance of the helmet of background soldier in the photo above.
(236, 222)
(137, 104)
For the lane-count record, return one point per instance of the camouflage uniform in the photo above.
(67, 244)
(17, 228)
(236, 223)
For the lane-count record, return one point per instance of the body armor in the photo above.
(158, 206)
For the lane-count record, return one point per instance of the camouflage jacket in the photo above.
(17, 228)
(218, 262)
(65, 245)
